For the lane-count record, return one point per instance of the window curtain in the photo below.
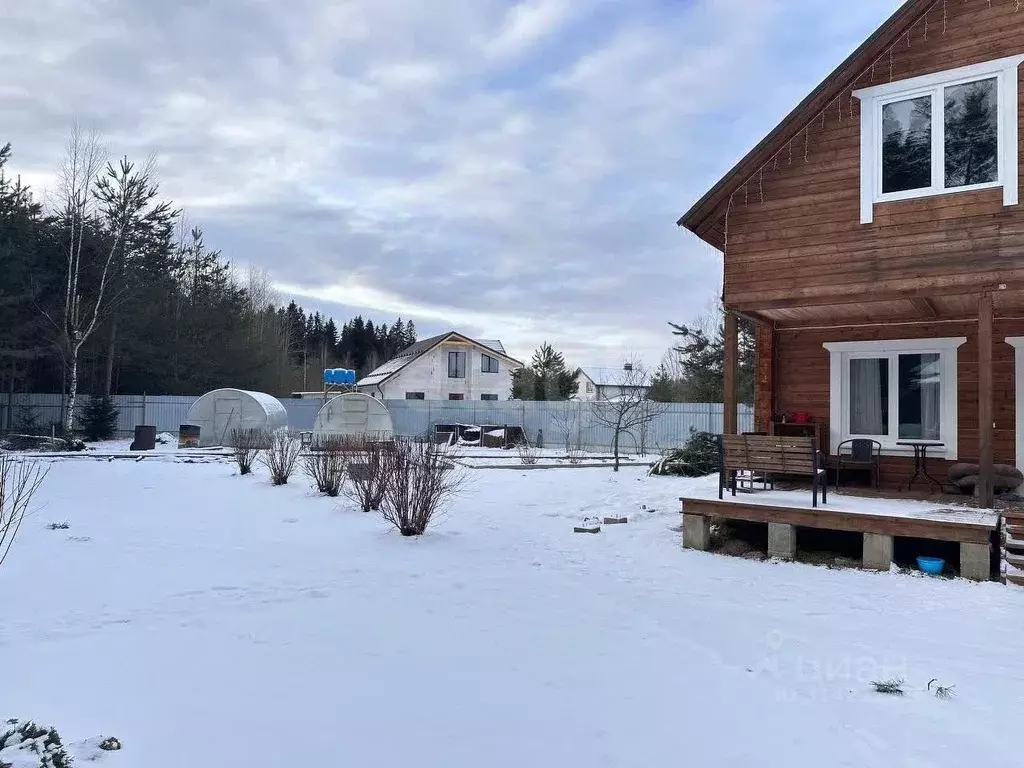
(930, 396)
(867, 411)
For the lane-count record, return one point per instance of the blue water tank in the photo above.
(339, 376)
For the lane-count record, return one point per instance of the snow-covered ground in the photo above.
(211, 620)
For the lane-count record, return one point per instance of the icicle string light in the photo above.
(868, 73)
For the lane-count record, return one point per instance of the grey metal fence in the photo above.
(557, 422)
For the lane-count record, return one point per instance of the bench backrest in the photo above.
(775, 453)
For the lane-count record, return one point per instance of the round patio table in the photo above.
(921, 460)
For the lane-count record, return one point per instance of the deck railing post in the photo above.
(729, 378)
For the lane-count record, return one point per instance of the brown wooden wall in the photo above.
(801, 382)
(797, 231)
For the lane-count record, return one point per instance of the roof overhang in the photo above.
(704, 217)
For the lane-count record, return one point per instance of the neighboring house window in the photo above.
(488, 397)
(488, 364)
(456, 396)
(952, 131)
(456, 365)
(590, 387)
(415, 396)
(895, 390)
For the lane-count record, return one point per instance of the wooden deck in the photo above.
(879, 520)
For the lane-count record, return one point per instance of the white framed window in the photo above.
(891, 391)
(953, 131)
(488, 364)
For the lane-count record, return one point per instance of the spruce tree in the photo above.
(99, 419)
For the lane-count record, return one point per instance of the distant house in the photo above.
(610, 383)
(449, 366)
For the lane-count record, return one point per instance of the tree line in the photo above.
(109, 289)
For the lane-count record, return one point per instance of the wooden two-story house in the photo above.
(876, 238)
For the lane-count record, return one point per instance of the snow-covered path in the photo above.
(211, 620)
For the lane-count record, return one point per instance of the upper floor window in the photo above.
(590, 387)
(952, 131)
(488, 364)
(456, 365)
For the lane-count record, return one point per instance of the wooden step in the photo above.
(1014, 559)
(1014, 578)
(1014, 516)
(1011, 543)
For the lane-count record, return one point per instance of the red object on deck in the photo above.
(801, 417)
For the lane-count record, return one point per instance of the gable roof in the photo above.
(610, 377)
(409, 354)
(704, 217)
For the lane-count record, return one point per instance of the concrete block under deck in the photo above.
(877, 551)
(975, 562)
(696, 532)
(781, 541)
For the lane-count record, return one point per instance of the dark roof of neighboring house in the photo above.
(703, 218)
(398, 362)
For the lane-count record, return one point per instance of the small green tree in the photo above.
(546, 378)
(99, 419)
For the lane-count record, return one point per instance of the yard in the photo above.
(207, 619)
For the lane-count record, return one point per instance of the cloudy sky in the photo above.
(510, 169)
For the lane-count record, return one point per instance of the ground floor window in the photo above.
(488, 397)
(1017, 342)
(893, 391)
(415, 396)
(456, 396)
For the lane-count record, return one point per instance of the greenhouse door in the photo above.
(227, 415)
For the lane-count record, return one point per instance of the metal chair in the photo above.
(864, 454)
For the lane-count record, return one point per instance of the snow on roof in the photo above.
(614, 377)
(378, 375)
(493, 344)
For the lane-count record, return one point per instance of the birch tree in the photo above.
(113, 201)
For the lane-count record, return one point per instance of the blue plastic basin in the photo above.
(931, 564)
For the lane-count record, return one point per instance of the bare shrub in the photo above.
(19, 480)
(324, 464)
(575, 456)
(281, 456)
(420, 479)
(247, 444)
(364, 457)
(527, 453)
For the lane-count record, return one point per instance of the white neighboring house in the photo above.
(610, 383)
(445, 367)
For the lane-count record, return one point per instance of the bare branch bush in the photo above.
(324, 464)
(565, 417)
(629, 412)
(421, 479)
(528, 454)
(364, 458)
(281, 456)
(247, 444)
(575, 456)
(19, 480)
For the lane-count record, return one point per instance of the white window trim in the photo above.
(840, 353)
(1017, 342)
(873, 98)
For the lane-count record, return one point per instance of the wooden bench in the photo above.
(772, 455)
